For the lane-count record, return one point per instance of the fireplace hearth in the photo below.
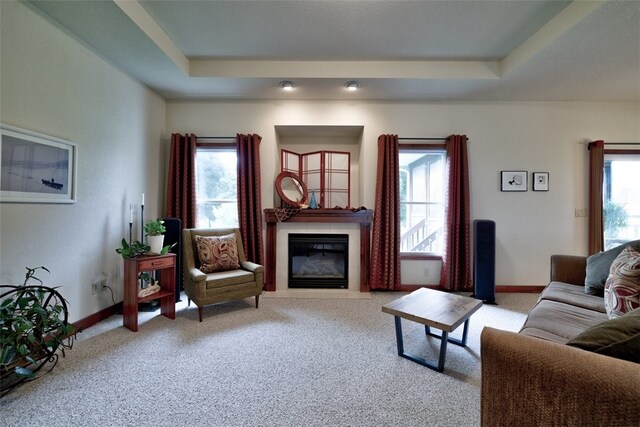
(318, 260)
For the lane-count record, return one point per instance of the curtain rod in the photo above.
(216, 137)
(424, 139)
(611, 143)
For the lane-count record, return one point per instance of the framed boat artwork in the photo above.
(36, 168)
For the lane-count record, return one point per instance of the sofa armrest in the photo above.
(528, 381)
(568, 269)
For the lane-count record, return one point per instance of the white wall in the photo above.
(540, 137)
(53, 84)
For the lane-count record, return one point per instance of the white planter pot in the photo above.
(156, 243)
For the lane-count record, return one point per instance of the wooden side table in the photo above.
(132, 268)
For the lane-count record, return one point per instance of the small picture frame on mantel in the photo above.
(513, 181)
(540, 181)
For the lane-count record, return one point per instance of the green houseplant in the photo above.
(131, 250)
(34, 327)
(154, 230)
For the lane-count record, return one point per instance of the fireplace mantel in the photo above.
(363, 217)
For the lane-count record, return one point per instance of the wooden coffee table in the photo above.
(433, 309)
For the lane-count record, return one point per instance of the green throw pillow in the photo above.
(619, 337)
(598, 266)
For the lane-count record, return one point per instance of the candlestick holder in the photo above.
(130, 229)
(142, 223)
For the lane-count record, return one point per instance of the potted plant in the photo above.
(154, 230)
(33, 327)
(132, 250)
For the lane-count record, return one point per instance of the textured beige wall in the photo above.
(535, 136)
(52, 84)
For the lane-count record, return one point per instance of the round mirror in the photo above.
(291, 189)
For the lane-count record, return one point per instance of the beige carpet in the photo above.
(292, 362)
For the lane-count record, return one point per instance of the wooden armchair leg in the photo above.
(200, 313)
(257, 300)
(188, 302)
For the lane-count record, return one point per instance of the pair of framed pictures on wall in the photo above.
(517, 181)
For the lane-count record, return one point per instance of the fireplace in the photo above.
(318, 260)
(355, 223)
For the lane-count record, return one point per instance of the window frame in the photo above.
(221, 146)
(422, 256)
(607, 181)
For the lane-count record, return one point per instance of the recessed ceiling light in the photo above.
(287, 85)
(352, 86)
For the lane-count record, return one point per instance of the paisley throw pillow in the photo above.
(217, 253)
(622, 288)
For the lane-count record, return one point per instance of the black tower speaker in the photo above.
(171, 236)
(484, 260)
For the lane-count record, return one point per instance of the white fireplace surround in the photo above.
(282, 259)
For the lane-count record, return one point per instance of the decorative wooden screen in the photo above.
(325, 173)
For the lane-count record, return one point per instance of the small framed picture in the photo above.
(541, 181)
(513, 181)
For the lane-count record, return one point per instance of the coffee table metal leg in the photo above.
(443, 349)
(461, 342)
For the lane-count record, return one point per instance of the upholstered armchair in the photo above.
(238, 280)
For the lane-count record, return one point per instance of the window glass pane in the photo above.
(621, 199)
(422, 200)
(216, 188)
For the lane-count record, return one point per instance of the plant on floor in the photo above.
(34, 327)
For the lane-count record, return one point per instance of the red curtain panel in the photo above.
(181, 185)
(249, 195)
(456, 259)
(596, 176)
(385, 246)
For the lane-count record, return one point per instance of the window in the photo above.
(621, 197)
(422, 198)
(216, 186)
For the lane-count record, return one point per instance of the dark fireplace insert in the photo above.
(318, 260)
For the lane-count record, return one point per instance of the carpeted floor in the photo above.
(292, 362)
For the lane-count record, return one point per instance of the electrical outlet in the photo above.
(95, 287)
(103, 285)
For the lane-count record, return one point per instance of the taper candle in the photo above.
(130, 214)
(142, 199)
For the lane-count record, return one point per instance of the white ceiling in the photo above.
(478, 50)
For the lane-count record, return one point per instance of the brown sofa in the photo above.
(533, 378)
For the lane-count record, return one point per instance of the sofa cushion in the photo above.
(622, 289)
(598, 266)
(619, 337)
(574, 295)
(217, 253)
(559, 322)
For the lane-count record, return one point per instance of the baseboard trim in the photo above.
(98, 317)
